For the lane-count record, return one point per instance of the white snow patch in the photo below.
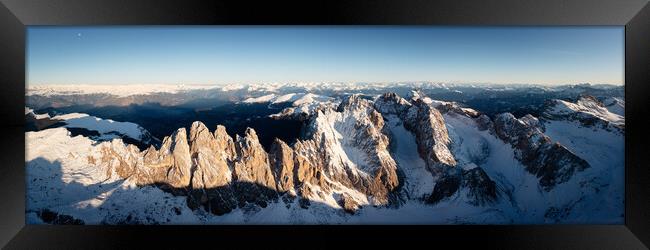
(103, 126)
(261, 99)
(419, 181)
(286, 98)
(587, 107)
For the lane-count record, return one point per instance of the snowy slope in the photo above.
(297, 99)
(594, 195)
(473, 147)
(60, 179)
(291, 97)
(107, 128)
(586, 107)
(615, 105)
(100, 129)
(602, 185)
(262, 99)
(418, 180)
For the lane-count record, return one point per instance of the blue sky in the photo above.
(242, 54)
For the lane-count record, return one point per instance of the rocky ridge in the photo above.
(550, 161)
(424, 118)
(589, 112)
(344, 158)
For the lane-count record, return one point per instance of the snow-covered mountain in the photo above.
(589, 111)
(93, 127)
(362, 159)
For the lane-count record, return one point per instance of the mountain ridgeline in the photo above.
(344, 157)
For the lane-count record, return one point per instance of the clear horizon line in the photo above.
(338, 82)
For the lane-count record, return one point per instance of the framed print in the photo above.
(405, 119)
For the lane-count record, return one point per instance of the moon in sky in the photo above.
(78, 34)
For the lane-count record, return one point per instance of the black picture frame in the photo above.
(633, 14)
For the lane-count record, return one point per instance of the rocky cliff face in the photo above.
(551, 162)
(211, 169)
(345, 150)
(428, 126)
(212, 157)
(422, 116)
(281, 158)
(343, 159)
(348, 147)
(171, 165)
(255, 182)
(478, 188)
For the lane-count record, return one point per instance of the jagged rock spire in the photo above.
(210, 162)
(282, 164)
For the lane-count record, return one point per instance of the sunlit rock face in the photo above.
(171, 165)
(255, 182)
(427, 124)
(346, 147)
(210, 156)
(281, 158)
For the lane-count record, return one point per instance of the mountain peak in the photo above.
(250, 133)
(551, 162)
(588, 111)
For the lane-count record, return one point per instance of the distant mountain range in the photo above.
(394, 153)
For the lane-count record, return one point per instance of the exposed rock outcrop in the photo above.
(347, 146)
(478, 188)
(348, 204)
(481, 189)
(54, 218)
(254, 180)
(211, 169)
(431, 134)
(176, 147)
(170, 166)
(212, 157)
(551, 162)
(427, 123)
(211, 166)
(485, 123)
(282, 163)
(445, 187)
(428, 126)
(588, 111)
(345, 150)
(309, 179)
